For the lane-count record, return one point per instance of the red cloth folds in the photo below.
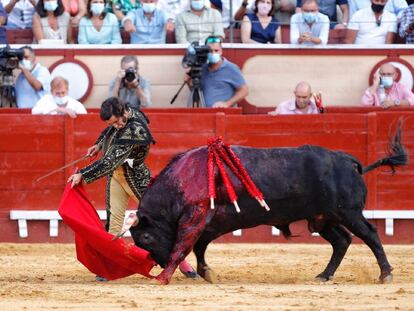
(94, 246)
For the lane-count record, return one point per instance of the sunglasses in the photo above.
(214, 40)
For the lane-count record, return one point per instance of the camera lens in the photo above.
(130, 74)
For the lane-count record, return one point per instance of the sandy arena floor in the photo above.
(250, 277)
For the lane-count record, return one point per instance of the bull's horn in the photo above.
(131, 221)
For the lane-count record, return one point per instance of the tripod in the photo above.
(196, 97)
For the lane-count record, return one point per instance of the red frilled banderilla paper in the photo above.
(94, 246)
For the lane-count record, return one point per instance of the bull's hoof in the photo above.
(323, 278)
(386, 279)
(162, 279)
(208, 274)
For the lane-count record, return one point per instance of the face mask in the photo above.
(197, 5)
(263, 8)
(377, 8)
(309, 17)
(213, 58)
(60, 101)
(27, 64)
(50, 5)
(387, 81)
(97, 8)
(148, 7)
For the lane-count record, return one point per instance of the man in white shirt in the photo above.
(59, 103)
(372, 25)
(396, 7)
(20, 13)
(173, 7)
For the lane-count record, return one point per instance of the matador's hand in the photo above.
(75, 179)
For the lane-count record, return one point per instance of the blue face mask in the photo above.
(197, 5)
(213, 58)
(387, 81)
(309, 17)
(50, 5)
(97, 8)
(148, 7)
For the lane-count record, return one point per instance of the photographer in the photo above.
(129, 86)
(33, 82)
(221, 81)
(407, 24)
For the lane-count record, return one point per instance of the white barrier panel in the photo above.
(22, 216)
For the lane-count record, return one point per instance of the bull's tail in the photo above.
(397, 154)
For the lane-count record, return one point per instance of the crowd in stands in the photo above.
(148, 21)
(259, 21)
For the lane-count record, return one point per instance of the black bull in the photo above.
(322, 186)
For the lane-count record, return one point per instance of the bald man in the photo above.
(396, 93)
(59, 102)
(301, 104)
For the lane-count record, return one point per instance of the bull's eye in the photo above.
(146, 238)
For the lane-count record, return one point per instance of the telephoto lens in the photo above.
(130, 74)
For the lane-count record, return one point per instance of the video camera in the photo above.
(195, 56)
(9, 58)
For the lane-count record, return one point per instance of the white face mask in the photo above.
(97, 8)
(27, 64)
(60, 101)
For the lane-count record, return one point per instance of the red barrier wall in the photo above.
(30, 146)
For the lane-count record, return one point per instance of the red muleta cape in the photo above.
(94, 246)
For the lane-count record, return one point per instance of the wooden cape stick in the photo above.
(61, 168)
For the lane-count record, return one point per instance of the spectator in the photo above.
(197, 23)
(122, 7)
(261, 26)
(59, 102)
(309, 27)
(147, 24)
(386, 91)
(393, 6)
(130, 88)
(98, 27)
(284, 9)
(33, 82)
(173, 7)
(3, 20)
(247, 6)
(302, 104)
(20, 13)
(407, 25)
(227, 8)
(51, 22)
(221, 81)
(76, 9)
(328, 7)
(372, 25)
